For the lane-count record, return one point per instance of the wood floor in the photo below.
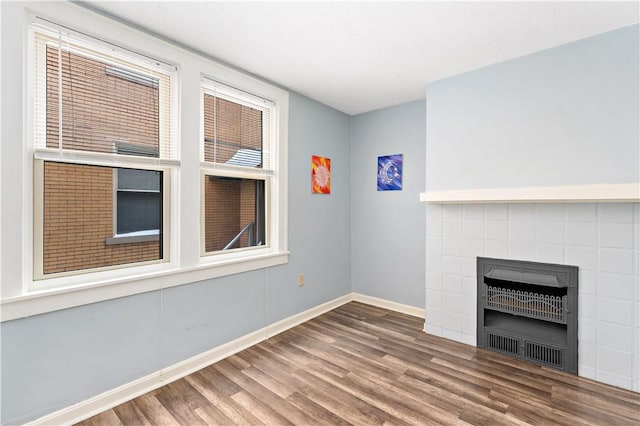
(364, 365)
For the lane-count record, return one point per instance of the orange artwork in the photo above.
(320, 175)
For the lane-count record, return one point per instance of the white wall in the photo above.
(387, 227)
(563, 116)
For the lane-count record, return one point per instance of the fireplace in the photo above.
(601, 239)
(529, 310)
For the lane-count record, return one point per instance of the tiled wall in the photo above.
(603, 240)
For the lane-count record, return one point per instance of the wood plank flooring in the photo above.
(364, 365)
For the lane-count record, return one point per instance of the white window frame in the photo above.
(167, 163)
(19, 297)
(269, 175)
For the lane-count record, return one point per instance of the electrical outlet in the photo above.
(300, 280)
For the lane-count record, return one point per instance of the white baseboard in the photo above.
(111, 398)
(387, 304)
(290, 322)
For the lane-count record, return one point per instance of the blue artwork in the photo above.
(390, 173)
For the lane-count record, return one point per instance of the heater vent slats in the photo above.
(500, 343)
(544, 354)
(541, 353)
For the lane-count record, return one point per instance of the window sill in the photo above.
(49, 300)
(133, 237)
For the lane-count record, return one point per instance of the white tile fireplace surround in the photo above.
(602, 239)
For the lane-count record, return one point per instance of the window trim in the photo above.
(18, 297)
(56, 298)
(99, 50)
(244, 252)
(274, 177)
(76, 277)
(128, 238)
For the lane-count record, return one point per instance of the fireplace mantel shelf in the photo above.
(601, 193)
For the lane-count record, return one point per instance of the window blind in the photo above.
(91, 96)
(237, 128)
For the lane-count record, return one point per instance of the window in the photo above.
(104, 148)
(240, 176)
(138, 209)
(137, 199)
(109, 198)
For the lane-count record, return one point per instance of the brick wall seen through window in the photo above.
(102, 107)
(233, 135)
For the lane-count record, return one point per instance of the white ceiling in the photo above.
(361, 56)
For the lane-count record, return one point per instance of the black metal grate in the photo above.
(529, 304)
(529, 310)
(544, 354)
(500, 343)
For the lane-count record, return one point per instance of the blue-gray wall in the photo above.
(53, 360)
(563, 116)
(318, 224)
(388, 227)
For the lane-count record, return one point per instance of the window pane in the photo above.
(234, 213)
(138, 211)
(78, 218)
(103, 106)
(139, 205)
(232, 133)
(141, 180)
